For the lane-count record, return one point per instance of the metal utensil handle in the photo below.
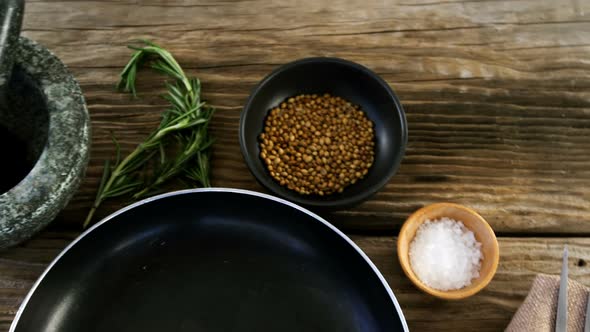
(587, 320)
(561, 318)
(11, 17)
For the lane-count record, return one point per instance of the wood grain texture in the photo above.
(496, 92)
(521, 259)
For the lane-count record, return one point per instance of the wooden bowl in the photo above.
(474, 222)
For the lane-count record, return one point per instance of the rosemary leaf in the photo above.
(179, 146)
(117, 150)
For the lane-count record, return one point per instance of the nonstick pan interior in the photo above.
(211, 260)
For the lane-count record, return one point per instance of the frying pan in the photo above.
(211, 260)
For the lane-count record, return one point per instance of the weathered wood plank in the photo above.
(521, 259)
(496, 92)
(491, 310)
(497, 95)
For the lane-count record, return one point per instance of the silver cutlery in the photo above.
(561, 319)
(587, 321)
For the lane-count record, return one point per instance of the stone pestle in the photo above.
(11, 17)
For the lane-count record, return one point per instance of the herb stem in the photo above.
(183, 127)
(91, 213)
(114, 175)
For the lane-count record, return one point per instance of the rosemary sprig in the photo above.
(183, 128)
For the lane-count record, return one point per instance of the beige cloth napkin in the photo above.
(537, 312)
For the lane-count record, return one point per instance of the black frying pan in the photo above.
(211, 260)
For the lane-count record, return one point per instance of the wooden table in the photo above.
(497, 96)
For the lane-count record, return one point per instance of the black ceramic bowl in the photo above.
(342, 78)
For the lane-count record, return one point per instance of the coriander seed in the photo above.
(322, 143)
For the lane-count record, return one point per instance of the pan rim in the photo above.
(366, 258)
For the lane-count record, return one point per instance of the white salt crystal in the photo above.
(445, 255)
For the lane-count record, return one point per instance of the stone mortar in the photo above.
(37, 199)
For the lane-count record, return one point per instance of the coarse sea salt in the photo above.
(445, 255)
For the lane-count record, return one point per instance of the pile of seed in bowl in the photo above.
(317, 144)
